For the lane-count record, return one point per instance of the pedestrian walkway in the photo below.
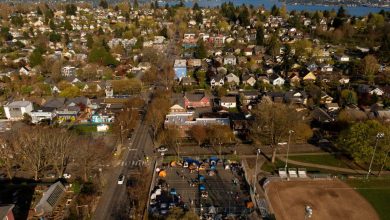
(339, 169)
(133, 163)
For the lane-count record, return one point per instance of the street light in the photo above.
(258, 152)
(288, 147)
(378, 135)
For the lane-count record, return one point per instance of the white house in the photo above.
(229, 102)
(232, 78)
(68, 71)
(277, 81)
(16, 110)
(41, 114)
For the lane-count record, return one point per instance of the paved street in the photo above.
(113, 194)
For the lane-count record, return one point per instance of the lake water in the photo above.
(356, 11)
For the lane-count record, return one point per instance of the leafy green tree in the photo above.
(348, 97)
(70, 92)
(67, 25)
(200, 51)
(99, 54)
(52, 25)
(103, 4)
(90, 41)
(196, 7)
(369, 66)
(55, 37)
(260, 36)
(36, 58)
(70, 9)
(360, 139)
(17, 20)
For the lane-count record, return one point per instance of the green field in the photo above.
(326, 159)
(377, 192)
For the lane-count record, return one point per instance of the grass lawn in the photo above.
(376, 191)
(326, 159)
(86, 128)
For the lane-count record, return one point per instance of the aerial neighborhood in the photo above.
(152, 111)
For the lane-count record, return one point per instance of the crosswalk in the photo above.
(133, 163)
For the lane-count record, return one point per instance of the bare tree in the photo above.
(7, 153)
(273, 122)
(59, 148)
(90, 154)
(32, 149)
(198, 133)
(155, 115)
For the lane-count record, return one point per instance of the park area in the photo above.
(328, 199)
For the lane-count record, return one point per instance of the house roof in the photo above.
(5, 209)
(194, 97)
(228, 99)
(19, 104)
(57, 102)
(50, 198)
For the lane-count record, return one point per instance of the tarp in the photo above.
(162, 173)
(190, 161)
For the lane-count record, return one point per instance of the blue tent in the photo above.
(190, 161)
(202, 187)
(201, 178)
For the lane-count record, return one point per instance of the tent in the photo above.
(201, 178)
(249, 204)
(162, 173)
(202, 187)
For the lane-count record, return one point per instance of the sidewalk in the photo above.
(346, 170)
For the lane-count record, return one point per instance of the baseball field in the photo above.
(328, 199)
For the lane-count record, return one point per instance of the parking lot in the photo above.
(206, 189)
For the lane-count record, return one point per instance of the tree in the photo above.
(55, 37)
(67, 25)
(36, 58)
(99, 54)
(7, 153)
(275, 11)
(360, 139)
(341, 13)
(198, 133)
(90, 41)
(369, 67)
(103, 4)
(89, 154)
(272, 122)
(243, 16)
(196, 7)
(274, 45)
(155, 115)
(135, 5)
(179, 213)
(200, 51)
(260, 36)
(70, 9)
(220, 134)
(348, 97)
(70, 92)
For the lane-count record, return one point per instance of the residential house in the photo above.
(248, 52)
(249, 97)
(310, 77)
(248, 79)
(230, 60)
(217, 80)
(276, 80)
(228, 102)
(263, 78)
(343, 58)
(177, 108)
(325, 98)
(16, 110)
(67, 71)
(331, 107)
(377, 91)
(194, 63)
(296, 97)
(180, 68)
(232, 79)
(42, 114)
(326, 68)
(103, 116)
(196, 100)
(6, 212)
(25, 70)
(187, 81)
(50, 199)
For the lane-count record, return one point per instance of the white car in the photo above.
(121, 179)
(67, 175)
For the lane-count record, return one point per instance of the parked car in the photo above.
(121, 179)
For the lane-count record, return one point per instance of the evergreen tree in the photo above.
(135, 5)
(67, 25)
(103, 4)
(36, 58)
(89, 40)
(196, 7)
(39, 11)
(260, 36)
(200, 51)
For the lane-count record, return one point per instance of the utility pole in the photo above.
(288, 147)
(255, 177)
(378, 135)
